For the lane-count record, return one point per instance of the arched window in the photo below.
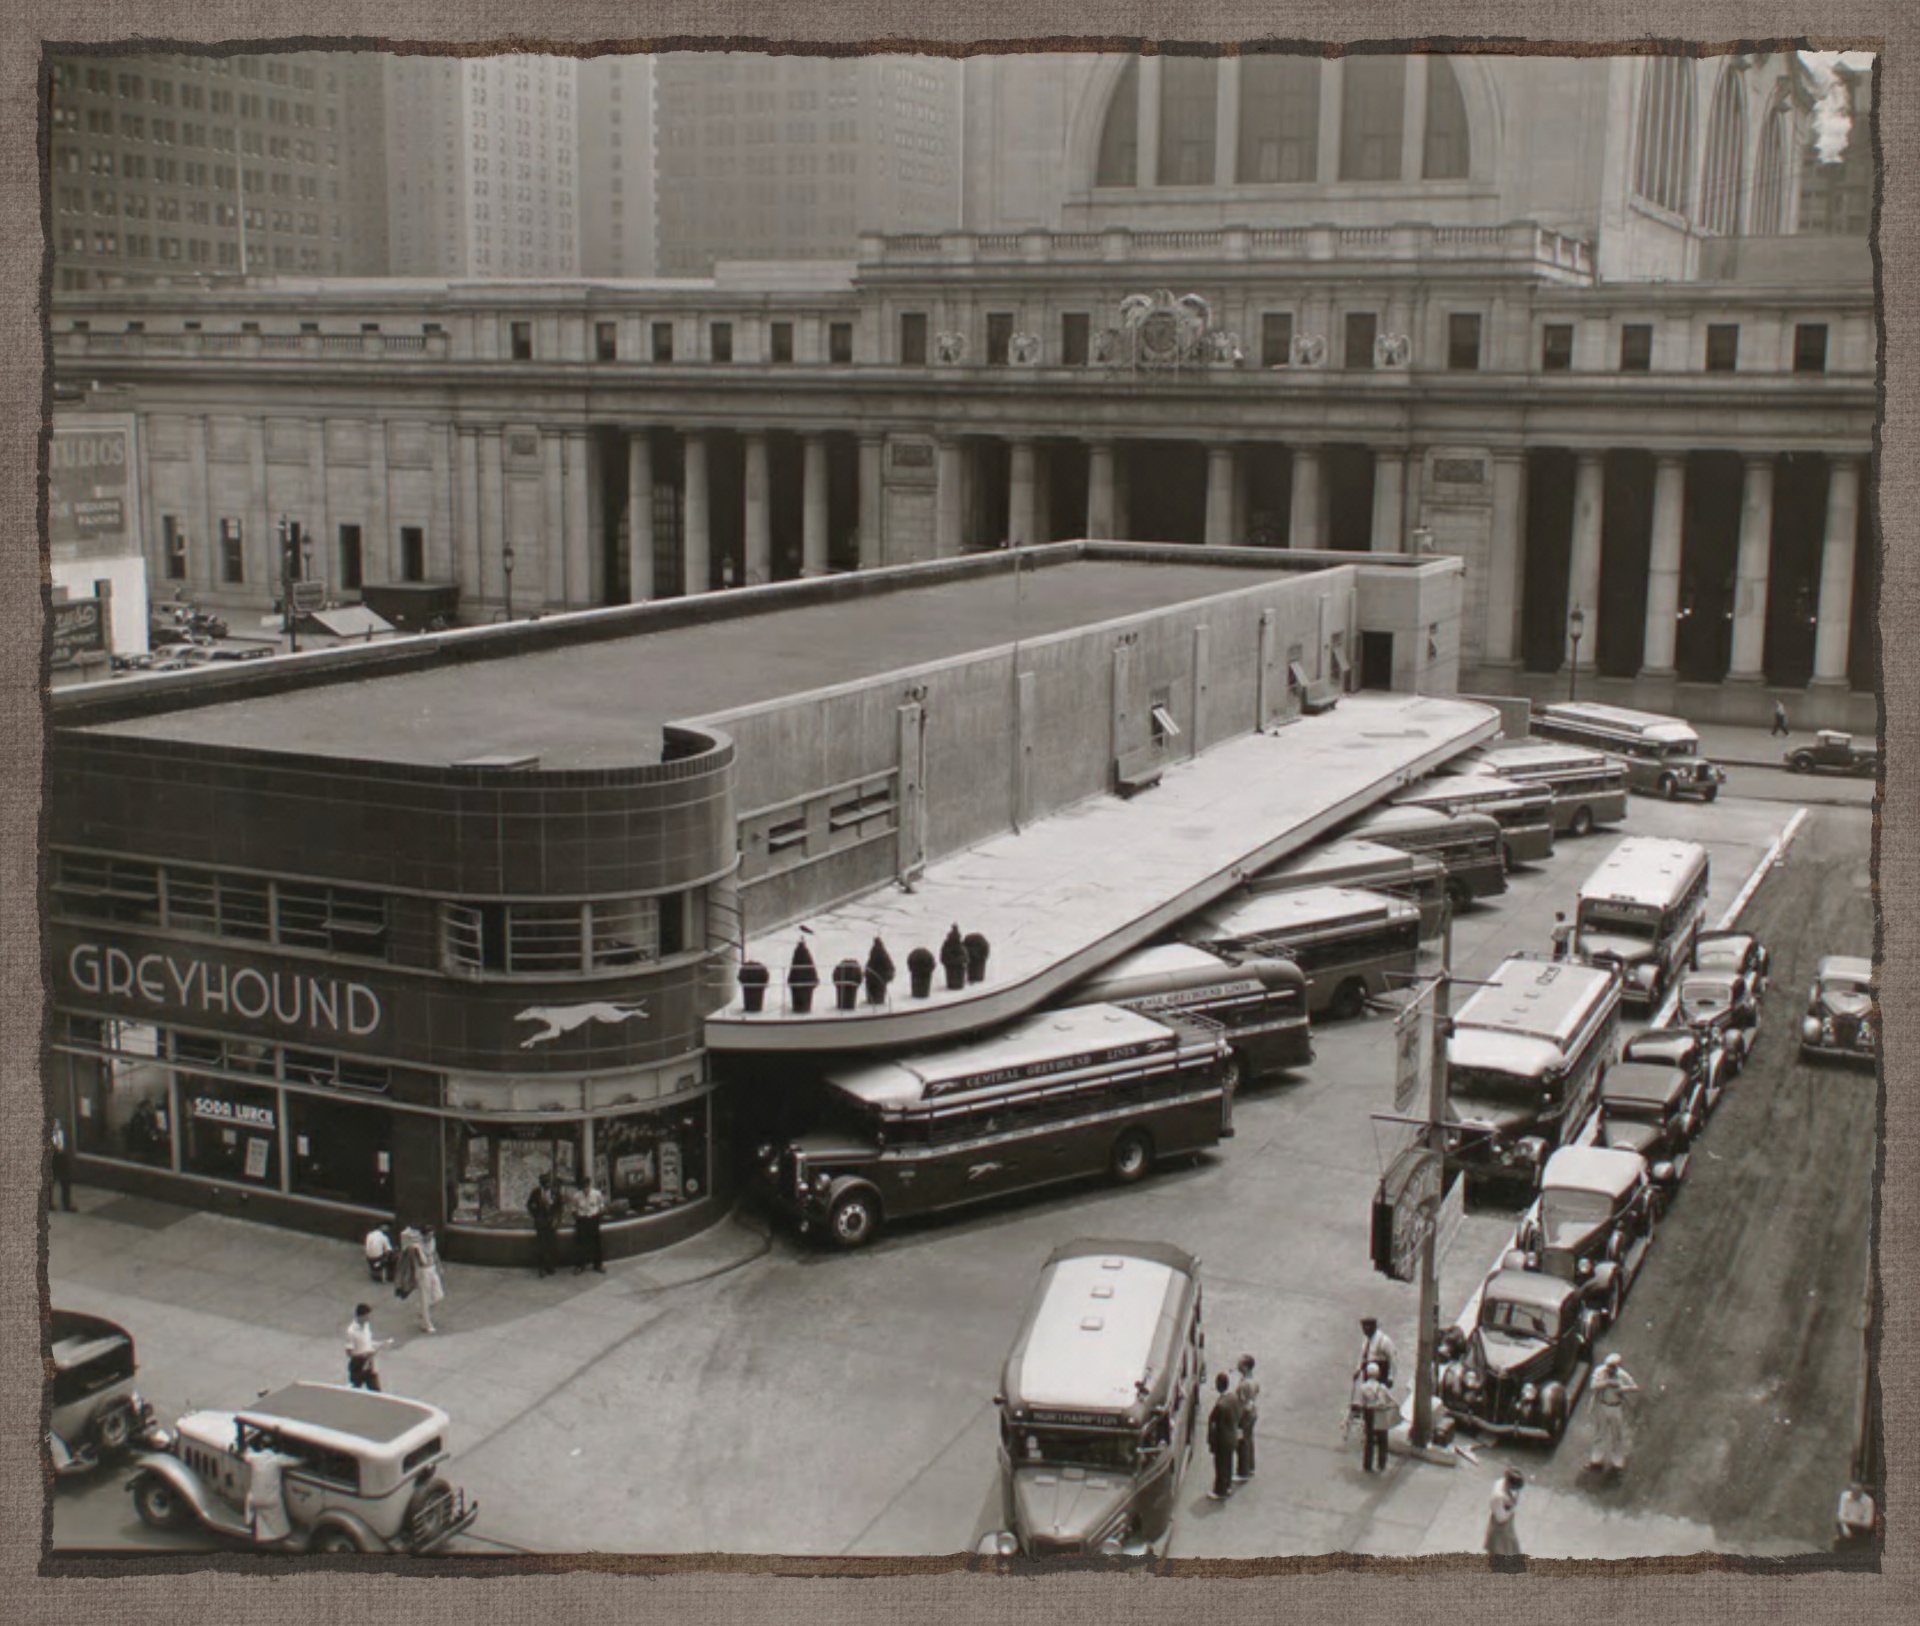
(1189, 95)
(1666, 133)
(1769, 216)
(1726, 151)
(1120, 135)
(1279, 119)
(1373, 113)
(1446, 143)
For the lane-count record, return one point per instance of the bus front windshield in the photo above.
(1074, 1448)
(1598, 917)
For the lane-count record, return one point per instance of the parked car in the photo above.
(357, 1469)
(1590, 1225)
(1843, 1015)
(1739, 952)
(97, 1415)
(1834, 752)
(1520, 1372)
(1656, 1111)
(1701, 1055)
(1721, 1005)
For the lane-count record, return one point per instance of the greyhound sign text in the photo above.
(290, 999)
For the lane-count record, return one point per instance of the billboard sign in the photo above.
(88, 492)
(79, 629)
(1405, 1211)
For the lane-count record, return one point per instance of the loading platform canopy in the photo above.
(1063, 898)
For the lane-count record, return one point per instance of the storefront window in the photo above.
(230, 1131)
(122, 1103)
(492, 1167)
(341, 1151)
(653, 1160)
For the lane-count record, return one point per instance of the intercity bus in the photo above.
(1372, 866)
(1101, 1392)
(1471, 845)
(1641, 911)
(1054, 1097)
(1260, 1003)
(1525, 1059)
(1662, 754)
(1589, 787)
(1353, 945)
(1523, 812)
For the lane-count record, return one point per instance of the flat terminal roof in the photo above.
(1092, 1336)
(1275, 914)
(1538, 999)
(1642, 869)
(604, 704)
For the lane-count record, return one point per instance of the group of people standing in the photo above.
(586, 1206)
(1230, 1425)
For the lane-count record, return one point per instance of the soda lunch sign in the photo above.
(189, 985)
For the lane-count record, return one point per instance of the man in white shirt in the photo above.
(1375, 1350)
(362, 1348)
(380, 1255)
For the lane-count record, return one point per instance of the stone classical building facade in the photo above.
(1551, 316)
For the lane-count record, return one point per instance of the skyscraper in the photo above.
(616, 167)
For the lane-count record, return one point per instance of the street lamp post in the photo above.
(506, 565)
(1576, 624)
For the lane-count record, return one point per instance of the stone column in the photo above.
(948, 465)
(873, 501)
(1147, 124)
(1333, 82)
(468, 571)
(491, 478)
(1304, 529)
(382, 555)
(577, 520)
(1583, 573)
(699, 541)
(326, 556)
(1663, 572)
(260, 538)
(1415, 479)
(1100, 478)
(443, 561)
(813, 500)
(1226, 124)
(1750, 574)
(1389, 535)
(1413, 134)
(1022, 516)
(203, 553)
(1505, 547)
(640, 537)
(1219, 530)
(549, 577)
(1836, 572)
(758, 512)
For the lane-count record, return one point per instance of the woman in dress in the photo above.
(420, 1265)
(1503, 1538)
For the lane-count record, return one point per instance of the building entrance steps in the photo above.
(1064, 897)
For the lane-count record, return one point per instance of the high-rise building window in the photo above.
(782, 336)
(1076, 335)
(840, 343)
(999, 337)
(523, 341)
(351, 565)
(1556, 347)
(1463, 341)
(663, 341)
(606, 341)
(413, 553)
(913, 338)
(173, 547)
(1276, 338)
(1372, 115)
(1810, 347)
(233, 557)
(1723, 347)
(1636, 347)
(720, 341)
(1362, 328)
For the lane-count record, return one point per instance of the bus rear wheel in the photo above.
(1349, 1000)
(1132, 1157)
(1582, 821)
(854, 1220)
(1458, 894)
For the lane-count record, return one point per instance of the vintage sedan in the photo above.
(1591, 1224)
(1520, 1372)
(1722, 1006)
(96, 1415)
(1656, 1111)
(351, 1471)
(1739, 952)
(1843, 1016)
(1701, 1055)
(1834, 752)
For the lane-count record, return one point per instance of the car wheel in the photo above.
(854, 1220)
(334, 1539)
(1349, 1000)
(1710, 793)
(1553, 1411)
(1233, 1073)
(159, 1504)
(113, 1429)
(1801, 762)
(1582, 821)
(1132, 1157)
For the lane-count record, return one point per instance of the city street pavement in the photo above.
(744, 1393)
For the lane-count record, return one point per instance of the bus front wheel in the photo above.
(1669, 787)
(1459, 895)
(1349, 1000)
(1132, 1157)
(1583, 821)
(854, 1220)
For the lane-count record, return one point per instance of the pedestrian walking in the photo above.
(381, 1255)
(419, 1272)
(1611, 1386)
(1376, 1349)
(363, 1349)
(589, 1209)
(1376, 1410)
(1223, 1436)
(1855, 1520)
(1503, 1535)
(1247, 1392)
(543, 1208)
(1779, 719)
(62, 1161)
(1562, 935)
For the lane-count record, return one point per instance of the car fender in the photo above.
(208, 1508)
(1600, 1284)
(338, 1518)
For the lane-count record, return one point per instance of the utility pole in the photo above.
(1421, 1434)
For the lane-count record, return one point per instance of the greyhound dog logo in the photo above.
(558, 1019)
